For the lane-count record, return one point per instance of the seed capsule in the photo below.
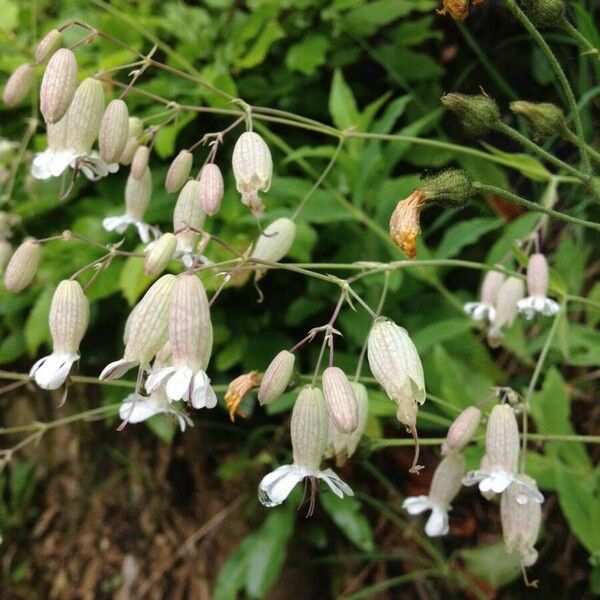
(48, 45)
(85, 115)
(161, 255)
(58, 85)
(140, 161)
(211, 188)
(69, 315)
(502, 438)
(252, 169)
(309, 428)
(22, 266)
(274, 243)
(19, 84)
(179, 171)
(340, 400)
(137, 195)
(188, 213)
(462, 430)
(276, 378)
(114, 131)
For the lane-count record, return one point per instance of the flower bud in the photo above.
(340, 400)
(545, 119)
(447, 479)
(58, 85)
(521, 514)
(451, 187)
(5, 254)
(277, 377)
(140, 162)
(85, 115)
(48, 45)
(148, 330)
(211, 188)
(22, 266)
(137, 195)
(19, 84)
(69, 315)
(179, 171)
(343, 445)
(395, 363)
(537, 275)
(462, 430)
(502, 438)
(511, 291)
(544, 13)
(114, 131)
(188, 213)
(404, 223)
(252, 169)
(309, 428)
(129, 151)
(478, 114)
(160, 255)
(274, 243)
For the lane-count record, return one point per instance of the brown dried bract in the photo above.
(404, 223)
(238, 388)
(457, 9)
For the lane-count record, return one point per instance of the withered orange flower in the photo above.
(404, 223)
(238, 388)
(457, 9)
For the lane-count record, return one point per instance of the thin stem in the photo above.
(580, 38)
(571, 137)
(491, 189)
(558, 71)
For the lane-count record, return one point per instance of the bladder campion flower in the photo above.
(309, 440)
(179, 171)
(274, 243)
(22, 266)
(114, 131)
(509, 294)
(211, 188)
(277, 377)
(69, 315)
(188, 218)
(58, 85)
(462, 430)
(48, 45)
(485, 310)
(340, 400)
(537, 287)
(19, 84)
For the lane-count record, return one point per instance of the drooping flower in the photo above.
(485, 310)
(521, 514)
(445, 485)
(537, 286)
(191, 338)
(509, 294)
(179, 171)
(58, 85)
(22, 266)
(188, 219)
(404, 223)
(48, 45)
(273, 243)
(309, 440)
(237, 390)
(137, 408)
(277, 377)
(339, 399)
(462, 430)
(69, 315)
(114, 131)
(19, 84)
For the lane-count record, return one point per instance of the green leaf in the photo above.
(163, 426)
(231, 354)
(492, 564)
(10, 15)
(307, 55)
(12, 347)
(345, 513)
(524, 163)
(465, 233)
(342, 105)
(438, 332)
(37, 330)
(166, 137)
(271, 32)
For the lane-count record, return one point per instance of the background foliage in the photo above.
(134, 498)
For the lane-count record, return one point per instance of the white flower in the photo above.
(182, 382)
(137, 408)
(490, 480)
(51, 371)
(52, 163)
(484, 309)
(537, 286)
(122, 222)
(277, 485)
(437, 524)
(537, 304)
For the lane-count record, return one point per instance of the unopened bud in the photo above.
(451, 187)
(140, 161)
(69, 315)
(502, 438)
(404, 223)
(252, 169)
(274, 242)
(447, 480)
(114, 131)
(160, 255)
(48, 45)
(129, 151)
(309, 428)
(179, 171)
(462, 430)
(19, 84)
(340, 400)
(545, 13)
(85, 115)
(478, 114)
(137, 195)
(22, 266)
(521, 514)
(5, 254)
(511, 291)
(546, 119)
(188, 213)
(58, 85)
(211, 188)
(537, 275)
(277, 377)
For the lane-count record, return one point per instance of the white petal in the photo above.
(60, 160)
(499, 481)
(271, 477)
(116, 369)
(335, 483)
(179, 383)
(51, 372)
(203, 396)
(437, 524)
(282, 488)
(39, 165)
(473, 477)
(118, 224)
(157, 377)
(415, 505)
(143, 231)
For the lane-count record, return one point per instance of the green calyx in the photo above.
(478, 114)
(452, 188)
(544, 13)
(546, 120)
